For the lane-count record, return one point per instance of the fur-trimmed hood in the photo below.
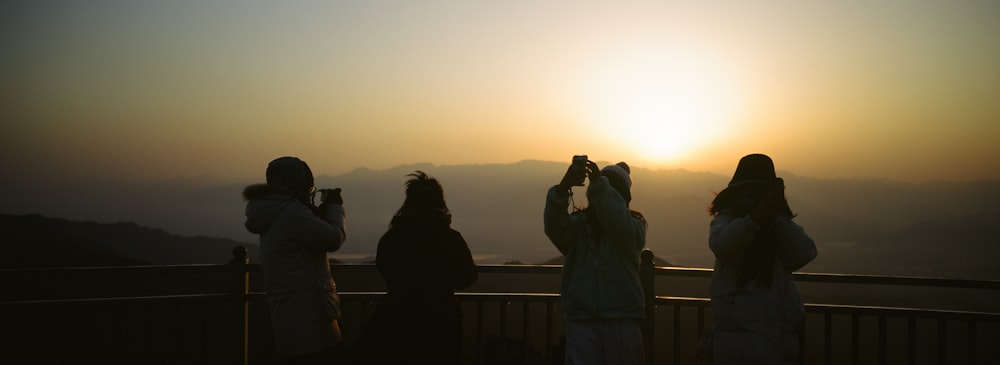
(264, 202)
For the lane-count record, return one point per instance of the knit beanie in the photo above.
(619, 175)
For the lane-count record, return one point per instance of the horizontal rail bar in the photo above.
(707, 273)
(491, 297)
(527, 269)
(690, 272)
(521, 269)
(533, 269)
(901, 312)
(706, 302)
(151, 269)
(530, 297)
(897, 280)
(853, 310)
(493, 269)
(849, 278)
(682, 301)
(158, 299)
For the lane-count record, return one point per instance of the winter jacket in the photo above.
(756, 324)
(422, 261)
(294, 242)
(600, 276)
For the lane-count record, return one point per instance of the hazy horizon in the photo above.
(941, 229)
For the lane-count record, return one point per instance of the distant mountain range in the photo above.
(36, 241)
(860, 226)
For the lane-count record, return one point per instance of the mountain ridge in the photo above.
(37, 241)
(498, 208)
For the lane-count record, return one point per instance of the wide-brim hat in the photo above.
(753, 169)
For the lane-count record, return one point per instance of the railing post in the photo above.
(647, 277)
(239, 288)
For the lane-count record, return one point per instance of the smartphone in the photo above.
(580, 166)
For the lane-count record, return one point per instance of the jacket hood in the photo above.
(264, 203)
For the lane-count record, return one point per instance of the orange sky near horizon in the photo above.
(116, 89)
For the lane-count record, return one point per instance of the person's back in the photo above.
(295, 238)
(423, 255)
(288, 261)
(422, 261)
(757, 310)
(600, 289)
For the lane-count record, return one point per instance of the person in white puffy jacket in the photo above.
(757, 310)
(295, 237)
(600, 289)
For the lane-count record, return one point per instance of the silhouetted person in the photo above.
(600, 288)
(422, 261)
(295, 237)
(757, 310)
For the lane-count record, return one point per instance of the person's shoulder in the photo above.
(453, 233)
(296, 208)
(390, 233)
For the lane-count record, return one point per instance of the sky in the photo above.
(142, 89)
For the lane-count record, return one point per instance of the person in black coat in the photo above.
(422, 261)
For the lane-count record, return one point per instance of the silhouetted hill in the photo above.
(37, 241)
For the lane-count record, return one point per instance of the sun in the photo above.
(665, 103)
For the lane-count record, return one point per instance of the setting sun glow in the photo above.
(111, 89)
(666, 103)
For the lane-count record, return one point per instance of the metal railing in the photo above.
(219, 316)
(667, 341)
(855, 313)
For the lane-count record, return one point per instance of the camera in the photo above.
(579, 166)
(324, 195)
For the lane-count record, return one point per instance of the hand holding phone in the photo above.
(575, 174)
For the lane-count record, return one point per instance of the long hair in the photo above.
(738, 201)
(424, 199)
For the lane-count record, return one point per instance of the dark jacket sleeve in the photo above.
(729, 237)
(325, 234)
(563, 229)
(465, 272)
(795, 247)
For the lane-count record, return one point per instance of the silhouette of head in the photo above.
(423, 190)
(290, 174)
(749, 185)
(753, 169)
(619, 175)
